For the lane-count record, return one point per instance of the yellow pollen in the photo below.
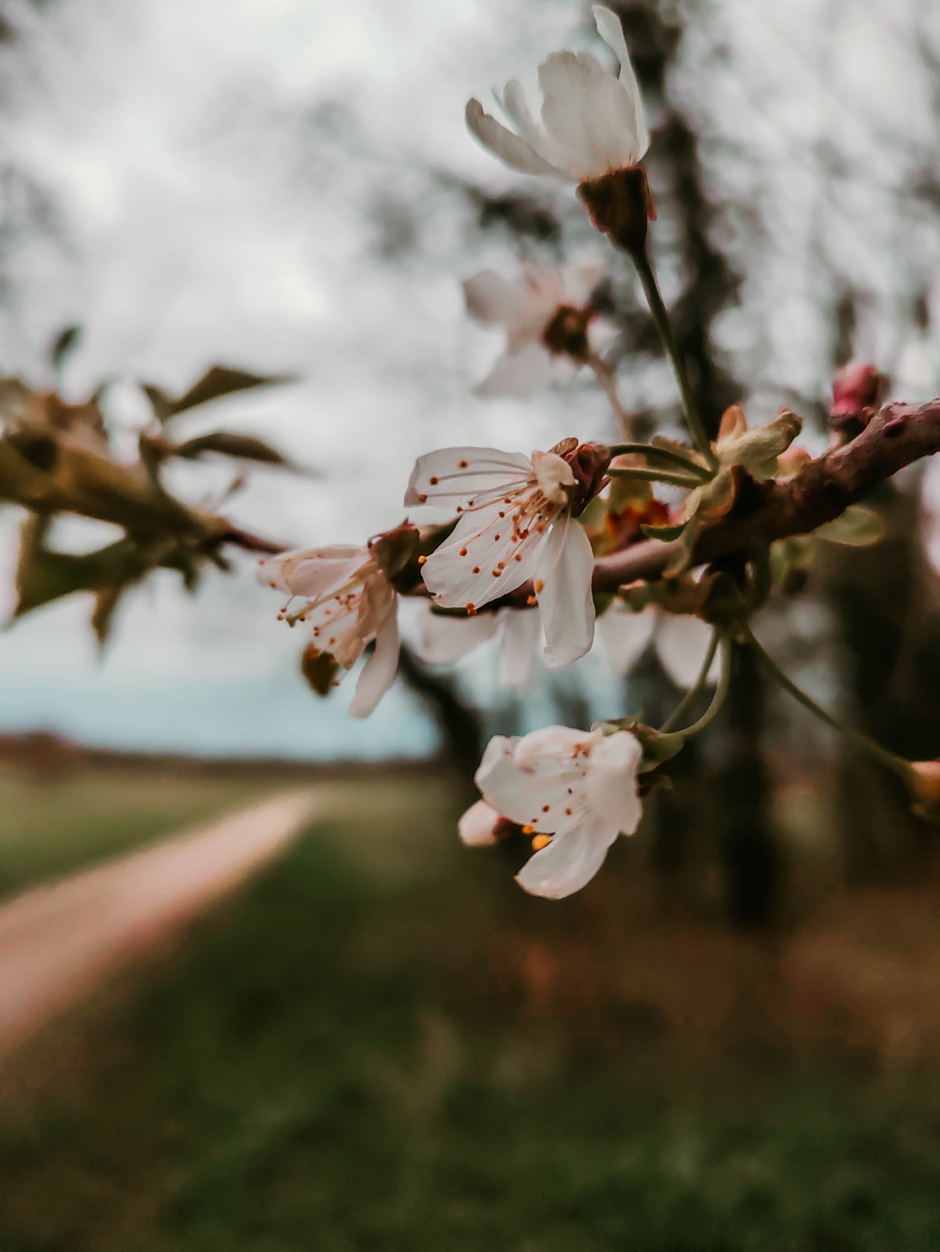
(531, 600)
(540, 842)
(528, 830)
(422, 560)
(538, 585)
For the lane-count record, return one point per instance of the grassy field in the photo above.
(51, 828)
(340, 1062)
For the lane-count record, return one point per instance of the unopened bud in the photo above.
(857, 390)
(482, 827)
(620, 205)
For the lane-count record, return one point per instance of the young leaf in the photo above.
(220, 380)
(857, 526)
(230, 444)
(665, 533)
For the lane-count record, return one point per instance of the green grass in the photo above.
(334, 1065)
(53, 828)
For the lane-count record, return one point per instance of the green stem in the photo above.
(690, 696)
(653, 476)
(645, 270)
(893, 762)
(651, 452)
(721, 691)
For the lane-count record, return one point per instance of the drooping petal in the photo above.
(519, 373)
(570, 861)
(564, 568)
(444, 640)
(477, 826)
(578, 281)
(510, 149)
(455, 477)
(379, 671)
(625, 634)
(682, 642)
(520, 630)
(611, 781)
(492, 298)
(588, 114)
(485, 557)
(610, 30)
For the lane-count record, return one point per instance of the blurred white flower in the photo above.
(443, 640)
(578, 787)
(349, 603)
(477, 827)
(681, 641)
(516, 525)
(547, 314)
(592, 123)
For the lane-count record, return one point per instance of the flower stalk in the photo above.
(661, 318)
(676, 716)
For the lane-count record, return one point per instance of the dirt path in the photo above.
(61, 942)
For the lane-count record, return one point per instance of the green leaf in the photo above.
(857, 526)
(230, 444)
(665, 533)
(220, 380)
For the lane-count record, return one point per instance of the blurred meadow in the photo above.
(728, 1041)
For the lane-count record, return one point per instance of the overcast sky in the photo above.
(269, 184)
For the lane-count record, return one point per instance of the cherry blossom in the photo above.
(547, 315)
(592, 122)
(349, 603)
(443, 640)
(575, 790)
(477, 827)
(516, 524)
(681, 641)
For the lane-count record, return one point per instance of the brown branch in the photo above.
(899, 435)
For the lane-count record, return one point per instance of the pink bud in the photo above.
(857, 389)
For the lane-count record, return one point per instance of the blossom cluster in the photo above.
(518, 559)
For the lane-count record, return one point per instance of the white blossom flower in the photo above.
(477, 827)
(547, 315)
(592, 123)
(444, 640)
(349, 603)
(579, 787)
(516, 524)
(681, 641)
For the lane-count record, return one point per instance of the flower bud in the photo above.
(620, 205)
(482, 827)
(857, 390)
(395, 548)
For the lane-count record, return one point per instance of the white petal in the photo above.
(520, 640)
(334, 626)
(682, 642)
(476, 827)
(492, 298)
(553, 474)
(611, 781)
(514, 103)
(625, 634)
(443, 640)
(578, 281)
(610, 30)
(519, 373)
(488, 541)
(546, 801)
(553, 750)
(379, 671)
(569, 862)
(453, 477)
(314, 572)
(565, 567)
(510, 149)
(588, 114)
